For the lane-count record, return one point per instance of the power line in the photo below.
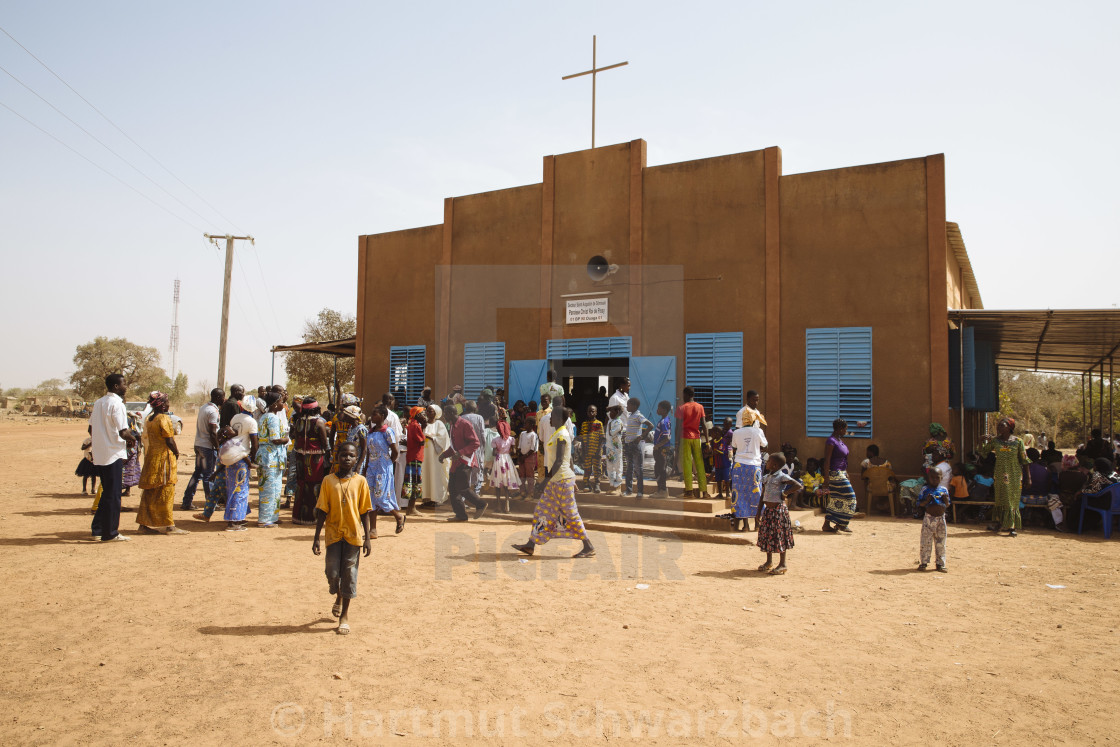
(118, 129)
(102, 144)
(162, 207)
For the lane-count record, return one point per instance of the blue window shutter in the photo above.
(970, 368)
(838, 380)
(714, 369)
(406, 373)
(589, 347)
(484, 364)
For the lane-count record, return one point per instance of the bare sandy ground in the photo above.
(217, 637)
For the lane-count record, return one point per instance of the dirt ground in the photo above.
(168, 639)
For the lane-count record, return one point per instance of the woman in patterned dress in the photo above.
(157, 480)
(556, 514)
(381, 453)
(272, 459)
(311, 444)
(1011, 476)
(841, 506)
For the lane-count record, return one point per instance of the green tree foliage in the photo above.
(1048, 403)
(95, 360)
(313, 373)
(178, 389)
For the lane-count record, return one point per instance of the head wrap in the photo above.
(1010, 422)
(349, 399)
(414, 411)
(309, 404)
(503, 429)
(487, 391)
(158, 399)
(353, 412)
(937, 430)
(437, 410)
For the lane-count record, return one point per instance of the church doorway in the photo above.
(590, 381)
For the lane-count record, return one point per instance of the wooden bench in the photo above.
(954, 505)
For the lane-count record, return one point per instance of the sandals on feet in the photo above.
(779, 571)
(336, 609)
(765, 566)
(584, 554)
(344, 629)
(400, 523)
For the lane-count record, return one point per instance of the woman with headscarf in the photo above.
(841, 505)
(381, 451)
(938, 440)
(1011, 476)
(271, 458)
(311, 443)
(157, 479)
(435, 473)
(340, 428)
(556, 514)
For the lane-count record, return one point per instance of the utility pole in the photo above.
(225, 299)
(174, 347)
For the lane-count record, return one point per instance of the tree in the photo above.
(95, 360)
(178, 389)
(51, 388)
(1049, 403)
(315, 371)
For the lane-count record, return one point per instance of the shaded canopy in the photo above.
(1066, 341)
(339, 348)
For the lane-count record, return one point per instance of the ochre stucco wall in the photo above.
(854, 254)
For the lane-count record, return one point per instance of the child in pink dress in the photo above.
(503, 475)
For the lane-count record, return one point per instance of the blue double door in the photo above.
(652, 378)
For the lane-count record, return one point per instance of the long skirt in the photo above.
(312, 469)
(413, 490)
(746, 489)
(503, 474)
(130, 476)
(775, 532)
(268, 493)
(1006, 509)
(155, 507)
(380, 475)
(237, 491)
(841, 504)
(557, 515)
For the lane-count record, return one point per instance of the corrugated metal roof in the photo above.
(956, 244)
(1066, 340)
(340, 348)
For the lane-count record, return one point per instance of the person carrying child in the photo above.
(343, 507)
(775, 531)
(591, 439)
(935, 500)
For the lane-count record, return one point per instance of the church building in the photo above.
(827, 292)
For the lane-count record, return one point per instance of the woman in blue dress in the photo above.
(381, 455)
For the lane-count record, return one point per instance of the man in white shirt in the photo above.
(750, 412)
(205, 447)
(111, 439)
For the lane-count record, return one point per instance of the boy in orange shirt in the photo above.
(344, 505)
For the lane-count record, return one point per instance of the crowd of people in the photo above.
(343, 466)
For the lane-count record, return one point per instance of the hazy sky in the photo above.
(307, 125)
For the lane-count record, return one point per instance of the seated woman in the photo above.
(1102, 475)
(1042, 480)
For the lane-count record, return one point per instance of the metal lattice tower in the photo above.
(174, 347)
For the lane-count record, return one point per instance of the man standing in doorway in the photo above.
(205, 447)
(693, 425)
(111, 440)
(550, 387)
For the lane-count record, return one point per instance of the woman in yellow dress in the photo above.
(157, 479)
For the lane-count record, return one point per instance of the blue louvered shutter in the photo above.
(714, 369)
(589, 347)
(484, 364)
(838, 380)
(406, 373)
